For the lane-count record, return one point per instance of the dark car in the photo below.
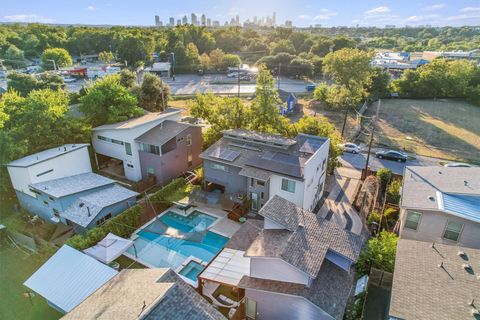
(391, 155)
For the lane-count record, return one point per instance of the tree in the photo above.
(154, 93)
(321, 92)
(265, 106)
(14, 57)
(379, 253)
(217, 59)
(339, 96)
(61, 57)
(380, 83)
(282, 46)
(135, 48)
(348, 67)
(322, 46)
(205, 62)
(320, 126)
(393, 191)
(128, 78)
(25, 83)
(231, 60)
(105, 56)
(300, 67)
(107, 101)
(192, 58)
(385, 175)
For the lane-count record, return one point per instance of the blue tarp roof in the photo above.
(69, 277)
(465, 206)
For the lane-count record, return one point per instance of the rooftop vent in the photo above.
(431, 198)
(440, 265)
(461, 253)
(474, 312)
(81, 204)
(466, 266)
(471, 303)
(465, 182)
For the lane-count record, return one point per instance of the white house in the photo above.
(117, 141)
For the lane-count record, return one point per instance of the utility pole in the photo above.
(278, 80)
(238, 79)
(364, 174)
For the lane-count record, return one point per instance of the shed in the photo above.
(68, 278)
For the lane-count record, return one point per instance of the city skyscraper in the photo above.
(194, 19)
(157, 21)
(185, 20)
(203, 19)
(274, 19)
(172, 21)
(209, 22)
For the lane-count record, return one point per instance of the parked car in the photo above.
(392, 155)
(457, 165)
(68, 79)
(350, 147)
(310, 87)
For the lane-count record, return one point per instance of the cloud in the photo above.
(434, 7)
(378, 11)
(467, 14)
(429, 18)
(470, 9)
(91, 8)
(304, 17)
(27, 18)
(325, 15)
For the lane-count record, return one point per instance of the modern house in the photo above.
(147, 294)
(58, 186)
(263, 165)
(435, 281)
(68, 278)
(441, 205)
(296, 265)
(155, 144)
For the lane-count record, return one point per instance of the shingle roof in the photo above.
(329, 291)
(62, 187)
(87, 207)
(422, 290)
(163, 132)
(134, 122)
(306, 245)
(69, 277)
(145, 294)
(46, 155)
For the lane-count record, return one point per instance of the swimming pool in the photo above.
(169, 240)
(192, 270)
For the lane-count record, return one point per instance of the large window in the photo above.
(288, 185)
(149, 148)
(250, 308)
(413, 219)
(110, 140)
(189, 139)
(170, 145)
(128, 148)
(453, 230)
(218, 166)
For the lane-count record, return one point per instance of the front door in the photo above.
(254, 198)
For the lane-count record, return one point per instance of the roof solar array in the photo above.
(225, 154)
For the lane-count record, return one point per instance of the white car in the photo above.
(69, 79)
(457, 165)
(350, 147)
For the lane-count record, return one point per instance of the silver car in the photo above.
(350, 147)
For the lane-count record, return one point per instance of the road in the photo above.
(357, 161)
(189, 84)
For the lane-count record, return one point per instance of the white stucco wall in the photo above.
(314, 176)
(277, 269)
(275, 188)
(67, 164)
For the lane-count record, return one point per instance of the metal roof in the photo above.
(465, 206)
(87, 207)
(65, 186)
(46, 155)
(69, 277)
(163, 132)
(135, 122)
(228, 267)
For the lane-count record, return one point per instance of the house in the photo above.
(68, 278)
(435, 281)
(145, 294)
(162, 69)
(441, 205)
(299, 264)
(289, 101)
(263, 165)
(155, 144)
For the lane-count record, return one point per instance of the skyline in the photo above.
(302, 13)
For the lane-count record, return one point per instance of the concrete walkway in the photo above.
(338, 205)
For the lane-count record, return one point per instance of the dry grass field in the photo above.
(448, 129)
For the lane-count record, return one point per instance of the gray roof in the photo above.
(135, 122)
(423, 186)
(273, 153)
(243, 238)
(163, 132)
(87, 207)
(161, 291)
(46, 155)
(329, 291)
(305, 240)
(423, 290)
(62, 187)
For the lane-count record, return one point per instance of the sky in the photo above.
(301, 12)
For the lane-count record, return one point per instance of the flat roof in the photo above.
(46, 155)
(135, 122)
(65, 186)
(69, 277)
(228, 267)
(163, 132)
(431, 282)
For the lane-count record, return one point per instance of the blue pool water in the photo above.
(192, 270)
(171, 239)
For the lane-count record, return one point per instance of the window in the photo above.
(288, 185)
(34, 191)
(261, 183)
(56, 213)
(262, 195)
(250, 308)
(103, 219)
(46, 203)
(252, 182)
(51, 198)
(150, 171)
(128, 148)
(189, 139)
(170, 145)
(130, 165)
(218, 166)
(413, 219)
(453, 230)
(149, 148)
(110, 140)
(45, 172)
(189, 159)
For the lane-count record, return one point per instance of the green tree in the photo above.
(300, 67)
(61, 57)
(192, 58)
(393, 191)
(154, 93)
(282, 46)
(379, 253)
(107, 101)
(348, 67)
(105, 56)
(380, 83)
(322, 46)
(321, 92)
(14, 57)
(320, 126)
(231, 60)
(385, 175)
(128, 78)
(135, 48)
(25, 83)
(217, 57)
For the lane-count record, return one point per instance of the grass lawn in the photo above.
(448, 129)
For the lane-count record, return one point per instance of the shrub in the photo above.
(379, 253)
(385, 175)
(393, 191)
(373, 217)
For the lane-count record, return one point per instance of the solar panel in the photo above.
(225, 154)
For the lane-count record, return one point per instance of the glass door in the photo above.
(254, 198)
